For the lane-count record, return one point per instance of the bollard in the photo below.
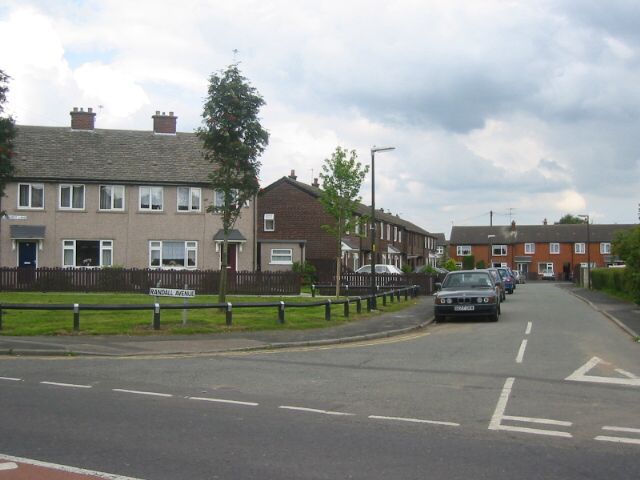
(0, 317)
(369, 304)
(76, 317)
(359, 305)
(156, 316)
(281, 313)
(313, 291)
(229, 314)
(391, 296)
(406, 294)
(398, 295)
(346, 308)
(327, 311)
(384, 299)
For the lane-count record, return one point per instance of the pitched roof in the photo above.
(100, 155)
(560, 233)
(361, 209)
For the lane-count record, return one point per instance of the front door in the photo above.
(232, 260)
(27, 254)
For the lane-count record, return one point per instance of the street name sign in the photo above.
(171, 292)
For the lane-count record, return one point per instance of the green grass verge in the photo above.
(138, 322)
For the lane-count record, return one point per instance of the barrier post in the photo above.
(229, 314)
(346, 308)
(313, 291)
(391, 296)
(156, 316)
(384, 299)
(76, 317)
(358, 305)
(281, 313)
(398, 295)
(327, 311)
(369, 304)
(406, 294)
(0, 317)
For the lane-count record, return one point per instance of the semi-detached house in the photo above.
(88, 197)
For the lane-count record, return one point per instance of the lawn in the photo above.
(140, 322)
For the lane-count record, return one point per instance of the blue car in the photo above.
(508, 279)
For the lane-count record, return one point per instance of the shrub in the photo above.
(307, 272)
(468, 262)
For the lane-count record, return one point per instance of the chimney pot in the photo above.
(292, 175)
(81, 120)
(163, 123)
(315, 183)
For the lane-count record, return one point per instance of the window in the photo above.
(173, 254)
(440, 250)
(395, 234)
(605, 248)
(499, 251)
(579, 248)
(545, 268)
(151, 198)
(31, 195)
(72, 197)
(463, 250)
(529, 248)
(189, 199)
(87, 253)
(269, 222)
(281, 256)
(356, 228)
(111, 197)
(388, 231)
(400, 236)
(218, 199)
(554, 248)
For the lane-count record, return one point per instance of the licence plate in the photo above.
(463, 308)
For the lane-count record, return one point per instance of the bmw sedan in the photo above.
(465, 293)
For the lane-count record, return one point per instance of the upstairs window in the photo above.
(189, 199)
(269, 222)
(605, 248)
(499, 251)
(112, 197)
(463, 250)
(529, 248)
(72, 197)
(579, 248)
(31, 195)
(151, 198)
(554, 248)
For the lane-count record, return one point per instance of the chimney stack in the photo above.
(544, 222)
(81, 120)
(513, 225)
(315, 183)
(164, 124)
(292, 175)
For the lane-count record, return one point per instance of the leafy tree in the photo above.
(342, 177)
(627, 246)
(7, 134)
(233, 140)
(450, 265)
(570, 219)
(468, 262)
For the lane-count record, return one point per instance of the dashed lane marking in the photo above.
(523, 347)
(10, 379)
(138, 392)
(315, 410)
(68, 385)
(609, 438)
(222, 400)
(414, 420)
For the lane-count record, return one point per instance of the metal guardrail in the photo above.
(228, 307)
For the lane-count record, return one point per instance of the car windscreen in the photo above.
(467, 280)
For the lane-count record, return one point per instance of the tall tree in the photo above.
(233, 140)
(627, 246)
(569, 219)
(342, 177)
(7, 134)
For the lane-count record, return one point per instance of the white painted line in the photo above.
(535, 431)
(501, 406)
(544, 421)
(70, 385)
(523, 347)
(315, 410)
(580, 375)
(415, 420)
(8, 466)
(528, 330)
(625, 373)
(65, 468)
(137, 392)
(221, 400)
(622, 429)
(10, 379)
(604, 438)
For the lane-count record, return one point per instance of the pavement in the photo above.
(625, 314)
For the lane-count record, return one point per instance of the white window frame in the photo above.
(529, 248)
(111, 207)
(72, 189)
(461, 249)
(395, 233)
(399, 236)
(545, 267)
(381, 231)
(501, 251)
(605, 248)
(269, 220)
(579, 248)
(388, 231)
(31, 187)
(150, 208)
(104, 246)
(554, 248)
(281, 256)
(190, 206)
(190, 247)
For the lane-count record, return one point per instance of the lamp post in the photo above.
(586, 219)
(490, 253)
(374, 150)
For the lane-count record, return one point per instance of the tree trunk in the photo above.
(222, 292)
(338, 275)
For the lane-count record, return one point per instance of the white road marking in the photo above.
(499, 416)
(221, 400)
(65, 468)
(315, 410)
(69, 385)
(622, 429)
(415, 420)
(523, 347)
(138, 392)
(580, 375)
(10, 379)
(528, 330)
(604, 438)
(8, 466)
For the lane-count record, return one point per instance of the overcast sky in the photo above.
(529, 109)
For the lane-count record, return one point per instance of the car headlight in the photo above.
(449, 301)
(479, 299)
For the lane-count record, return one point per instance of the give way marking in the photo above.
(580, 375)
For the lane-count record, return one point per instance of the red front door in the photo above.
(232, 259)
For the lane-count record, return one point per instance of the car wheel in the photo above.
(494, 317)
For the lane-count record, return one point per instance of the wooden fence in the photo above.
(140, 280)
(360, 283)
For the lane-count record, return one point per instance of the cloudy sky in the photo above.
(529, 109)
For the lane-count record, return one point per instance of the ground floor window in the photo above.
(87, 253)
(545, 268)
(173, 254)
(281, 256)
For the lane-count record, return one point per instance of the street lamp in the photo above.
(490, 239)
(374, 150)
(586, 218)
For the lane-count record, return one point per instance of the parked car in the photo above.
(521, 277)
(548, 276)
(380, 268)
(465, 293)
(507, 277)
(497, 278)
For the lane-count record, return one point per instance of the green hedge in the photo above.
(623, 280)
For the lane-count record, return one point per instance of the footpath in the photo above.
(418, 316)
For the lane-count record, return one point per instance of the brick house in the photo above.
(290, 219)
(537, 250)
(88, 197)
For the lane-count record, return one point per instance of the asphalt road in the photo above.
(550, 391)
